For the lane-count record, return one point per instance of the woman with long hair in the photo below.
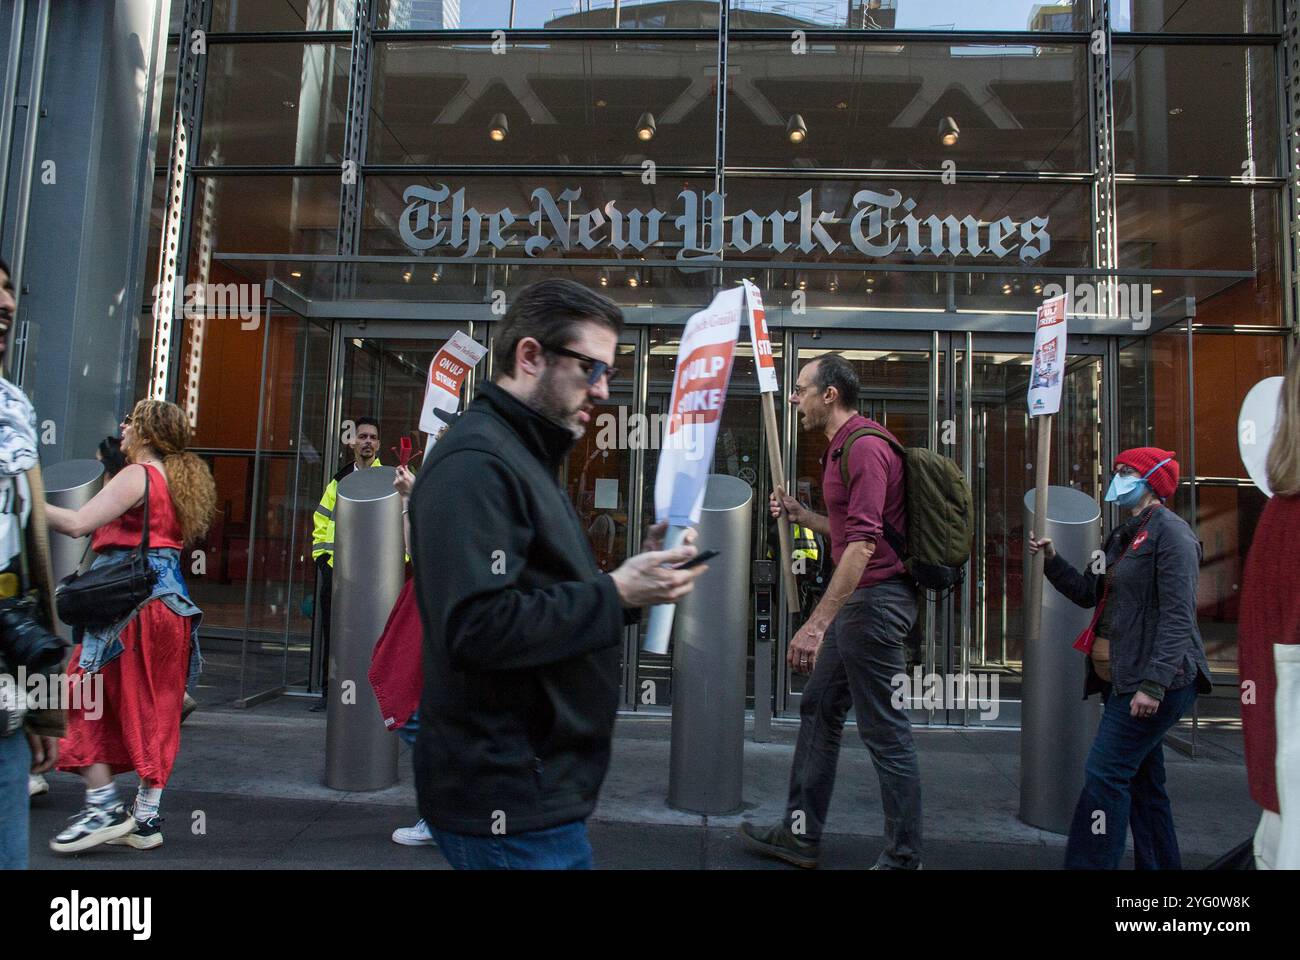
(143, 659)
(1268, 644)
(1146, 659)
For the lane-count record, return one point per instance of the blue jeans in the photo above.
(1124, 787)
(556, 848)
(15, 765)
(408, 730)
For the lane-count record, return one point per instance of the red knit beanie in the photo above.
(1164, 481)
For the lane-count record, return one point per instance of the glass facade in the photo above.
(903, 178)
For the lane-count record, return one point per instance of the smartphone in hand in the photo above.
(695, 561)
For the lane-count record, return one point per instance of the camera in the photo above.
(24, 642)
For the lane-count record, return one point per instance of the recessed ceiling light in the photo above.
(948, 132)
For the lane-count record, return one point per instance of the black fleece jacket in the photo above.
(521, 629)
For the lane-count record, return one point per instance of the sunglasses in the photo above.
(593, 368)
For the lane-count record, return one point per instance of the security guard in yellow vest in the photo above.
(365, 453)
(805, 545)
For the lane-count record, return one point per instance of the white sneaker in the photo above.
(417, 836)
(36, 785)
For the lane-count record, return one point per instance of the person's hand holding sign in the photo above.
(781, 502)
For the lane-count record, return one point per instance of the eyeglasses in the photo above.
(127, 419)
(798, 389)
(593, 368)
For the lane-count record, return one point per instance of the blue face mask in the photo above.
(1126, 491)
(1129, 491)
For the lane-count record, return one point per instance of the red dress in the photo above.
(143, 689)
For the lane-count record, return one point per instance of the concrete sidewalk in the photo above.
(253, 779)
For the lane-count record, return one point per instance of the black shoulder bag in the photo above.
(105, 594)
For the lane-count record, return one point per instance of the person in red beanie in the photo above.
(1268, 646)
(1146, 659)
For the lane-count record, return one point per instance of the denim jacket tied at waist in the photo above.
(103, 645)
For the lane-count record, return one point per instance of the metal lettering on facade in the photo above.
(883, 225)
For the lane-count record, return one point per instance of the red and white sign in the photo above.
(447, 375)
(1048, 370)
(759, 339)
(704, 362)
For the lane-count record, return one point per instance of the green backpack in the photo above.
(940, 513)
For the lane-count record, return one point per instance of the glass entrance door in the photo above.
(380, 372)
(1004, 443)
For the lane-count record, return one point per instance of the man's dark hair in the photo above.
(833, 370)
(550, 311)
(368, 422)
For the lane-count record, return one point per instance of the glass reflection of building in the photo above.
(941, 341)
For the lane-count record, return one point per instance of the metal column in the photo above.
(70, 485)
(706, 763)
(360, 753)
(1057, 724)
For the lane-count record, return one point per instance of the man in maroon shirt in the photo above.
(853, 642)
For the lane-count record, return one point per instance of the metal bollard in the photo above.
(71, 485)
(707, 757)
(360, 753)
(1057, 725)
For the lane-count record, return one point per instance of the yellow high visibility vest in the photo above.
(804, 542)
(322, 521)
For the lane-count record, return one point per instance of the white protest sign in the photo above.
(762, 343)
(704, 361)
(1256, 427)
(1048, 370)
(447, 375)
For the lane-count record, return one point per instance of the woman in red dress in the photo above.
(140, 664)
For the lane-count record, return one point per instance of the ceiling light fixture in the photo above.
(796, 129)
(500, 128)
(645, 127)
(948, 132)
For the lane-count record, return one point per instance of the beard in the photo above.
(548, 401)
(813, 421)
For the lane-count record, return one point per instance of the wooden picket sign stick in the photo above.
(1034, 616)
(782, 522)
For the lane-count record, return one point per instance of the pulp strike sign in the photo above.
(1049, 358)
(758, 337)
(704, 362)
(701, 386)
(447, 375)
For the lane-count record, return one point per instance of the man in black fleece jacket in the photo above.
(522, 631)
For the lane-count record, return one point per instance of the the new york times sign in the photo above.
(882, 225)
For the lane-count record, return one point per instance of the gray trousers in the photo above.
(863, 650)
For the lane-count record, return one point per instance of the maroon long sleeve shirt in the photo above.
(874, 495)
